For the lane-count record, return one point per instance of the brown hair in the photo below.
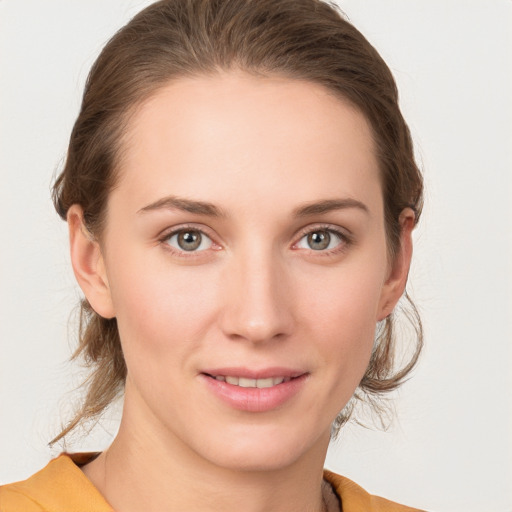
(300, 39)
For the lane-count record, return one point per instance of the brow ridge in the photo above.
(187, 205)
(329, 205)
(210, 210)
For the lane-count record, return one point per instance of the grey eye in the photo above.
(189, 240)
(319, 240)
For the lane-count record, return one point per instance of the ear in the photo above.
(88, 264)
(399, 269)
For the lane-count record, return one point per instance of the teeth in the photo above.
(246, 383)
(265, 383)
(252, 383)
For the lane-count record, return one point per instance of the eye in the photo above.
(320, 240)
(189, 240)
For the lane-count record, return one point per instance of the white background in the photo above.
(450, 448)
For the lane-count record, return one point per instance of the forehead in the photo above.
(237, 136)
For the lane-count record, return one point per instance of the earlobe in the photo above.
(399, 270)
(88, 264)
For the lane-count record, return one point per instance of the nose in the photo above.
(257, 300)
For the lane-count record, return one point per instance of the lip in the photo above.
(255, 399)
(263, 373)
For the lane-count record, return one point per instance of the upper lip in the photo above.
(262, 373)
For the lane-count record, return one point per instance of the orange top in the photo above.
(62, 487)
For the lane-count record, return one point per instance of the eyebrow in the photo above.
(329, 205)
(210, 210)
(186, 205)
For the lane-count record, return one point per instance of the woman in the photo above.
(240, 191)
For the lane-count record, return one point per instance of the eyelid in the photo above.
(167, 233)
(345, 236)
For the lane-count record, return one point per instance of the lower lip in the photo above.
(255, 399)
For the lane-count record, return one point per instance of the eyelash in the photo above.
(345, 240)
(167, 235)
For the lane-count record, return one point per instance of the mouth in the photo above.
(255, 391)
(245, 382)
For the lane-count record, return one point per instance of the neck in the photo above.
(144, 471)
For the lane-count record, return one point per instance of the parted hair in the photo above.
(299, 39)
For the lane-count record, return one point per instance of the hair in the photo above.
(306, 40)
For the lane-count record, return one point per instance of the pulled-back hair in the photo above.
(299, 39)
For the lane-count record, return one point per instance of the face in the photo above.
(245, 259)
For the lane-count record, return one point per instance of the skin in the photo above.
(255, 294)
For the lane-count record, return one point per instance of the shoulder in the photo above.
(355, 499)
(59, 487)
(11, 500)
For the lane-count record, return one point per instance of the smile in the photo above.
(255, 391)
(245, 382)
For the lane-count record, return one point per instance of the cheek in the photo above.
(341, 315)
(348, 298)
(157, 305)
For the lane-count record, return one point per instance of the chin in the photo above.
(260, 449)
(255, 459)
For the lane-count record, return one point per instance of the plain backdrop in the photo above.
(450, 447)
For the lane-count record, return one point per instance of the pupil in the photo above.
(319, 240)
(189, 240)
